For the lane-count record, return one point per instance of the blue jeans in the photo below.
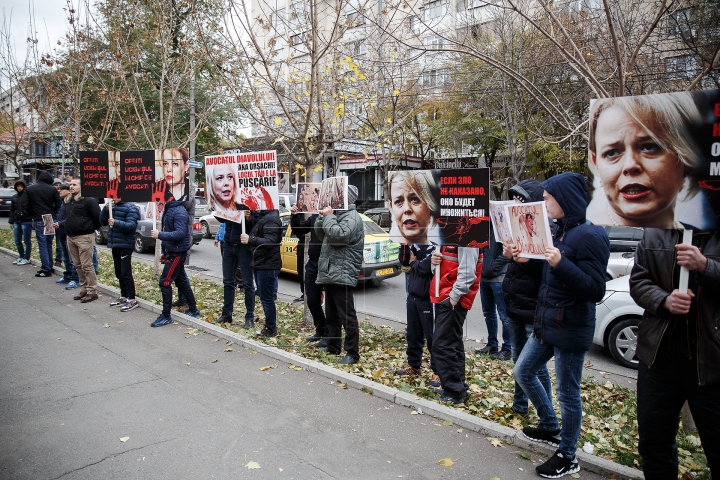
(45, 246)
(23, 233)
(420, 326)
(267, 281)
(232, 256)
(491, 296)
(568, 372)
(70, 274)
(520, 332)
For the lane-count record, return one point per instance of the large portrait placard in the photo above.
(96, 174)
(654, 160)
(530, 228)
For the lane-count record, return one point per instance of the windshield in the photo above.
(371, 228)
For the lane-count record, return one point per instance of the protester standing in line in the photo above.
(82, 219)
(236, 255)
(460, 272)
(264, 241)
(302, 226)
(341, 256)
(678, 345)
(41, 199)
(419, 309)
(573, 280)
(21, 223)
(70, 275)
(520, 292)
(189, 204)
(175, 245)
(121, 241)
(58, 248)
(493, 303)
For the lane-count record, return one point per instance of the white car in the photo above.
(616, 321)
(620, 264)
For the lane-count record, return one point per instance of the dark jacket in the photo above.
(521, 285)
(654, 277)
(420, 275)
(82, 215)
(494, 262)
(122, 234)
(264, 241)
(302, 227)
(17, 213)
(174, 229)
(41, 198)
(565, 314)
(343, 239)
(233, 230)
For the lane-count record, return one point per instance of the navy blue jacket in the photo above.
(233, 230)
(122, 234)
(521, 285)
(565, 315)
(421, 275)
(174, 228)
(495, 264)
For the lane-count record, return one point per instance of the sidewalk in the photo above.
(76, 378)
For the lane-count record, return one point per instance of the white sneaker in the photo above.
(23, 261)
(121, 301)
(16, 262)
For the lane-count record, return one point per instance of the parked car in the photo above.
(620, 264)
(143, 240)
(210, 224)
(202, 207)
(380, 255)
(381, 216)
(6, 195)
(623, 239)
(616, 322)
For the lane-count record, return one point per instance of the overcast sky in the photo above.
(49, 22)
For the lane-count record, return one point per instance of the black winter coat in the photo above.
(302, 227)
(264, 240)
(494, 262)
(174, 229)
(17, 214)
(82, 215)
(41, 198)
(122, 234)
(421, 269)
(653, 279)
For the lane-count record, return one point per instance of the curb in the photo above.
(423, 406)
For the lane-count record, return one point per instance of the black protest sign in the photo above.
(464, 206)
(94, 174)
(137, 175)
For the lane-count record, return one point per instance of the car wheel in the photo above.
(205, 230)
(622, 342)
(376, 282)
(139, 244)
(99, 238)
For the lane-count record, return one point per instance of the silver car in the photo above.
(616, 322)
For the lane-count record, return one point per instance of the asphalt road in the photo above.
(385, 304)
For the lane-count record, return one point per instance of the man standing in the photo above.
(341, 256)
(493, 305)
(302, 227)
(678, 345)
(264, 242)
(573, 280)
(236, 254)
(460, 272)
(82, 219)
(58, 248)
(70, 276)
(42, 199)
(121, 241)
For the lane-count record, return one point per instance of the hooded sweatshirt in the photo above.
(565, 314)
(41, 198)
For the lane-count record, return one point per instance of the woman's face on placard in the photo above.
(174, 168)
(412, 215)
(223, 184)
(641, 180)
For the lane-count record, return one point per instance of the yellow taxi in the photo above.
(380, 256)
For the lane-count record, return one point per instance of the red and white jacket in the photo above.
(460, 272)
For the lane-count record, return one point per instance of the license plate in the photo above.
(385, 271)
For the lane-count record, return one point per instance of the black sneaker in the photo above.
(267, 333)
(558, 466)
(539, 434)
(44, 274)
(504, 355)
(486, 350)
(410, 371)
(524, 414)
(446, 397)
(299, 299)
(224, 319)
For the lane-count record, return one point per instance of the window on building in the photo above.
(682, 67)
(435, 78)
(357, 48)
(298, 39)
(278, 19)
(680, 23)
(414, 24)
(433, 42)
(434, 10)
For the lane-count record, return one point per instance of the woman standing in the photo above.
(21, 223)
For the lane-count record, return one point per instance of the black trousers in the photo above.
(300, 262)
(662, 391)
(122, 259)
(313, 295)
(340, 313)
(448, 349)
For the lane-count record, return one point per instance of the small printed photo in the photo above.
(530, 227)
(48, 227)
(307, 197)
(333, 193)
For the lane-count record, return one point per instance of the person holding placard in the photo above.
(413, 206)
(678, 346)
(573, 280)
(121, 241)
(223, 187)
(41, 199)
(642, 149)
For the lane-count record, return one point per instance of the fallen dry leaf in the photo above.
(445, 462)
(343, 385)
(495, 442)
(124, 439)
(106, 325)
(252, 466)
(228, 350)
